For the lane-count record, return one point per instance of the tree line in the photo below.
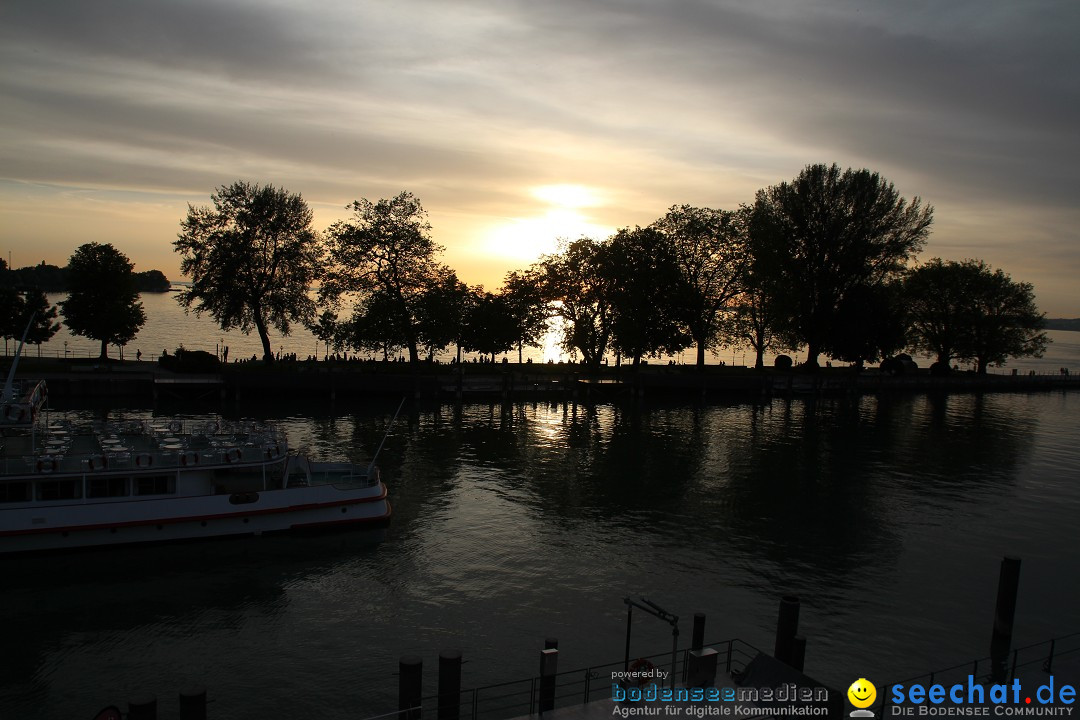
(825, 261)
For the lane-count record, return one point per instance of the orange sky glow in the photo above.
(516, 125)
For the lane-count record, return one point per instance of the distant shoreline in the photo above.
(1063, 324)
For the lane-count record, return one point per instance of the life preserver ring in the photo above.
(233, 455)
(647, 670)
(144, 460)
(14, 413)
(97, 462)
(189, 458)
(175, 426)
(46, 465)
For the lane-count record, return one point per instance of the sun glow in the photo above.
(527, 238)
(567, 196)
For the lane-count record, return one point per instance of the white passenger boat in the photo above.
(64, 485)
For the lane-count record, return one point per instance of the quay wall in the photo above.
(317, 381)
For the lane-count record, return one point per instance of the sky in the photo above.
(519, 122)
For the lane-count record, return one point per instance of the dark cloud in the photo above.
(968, 103)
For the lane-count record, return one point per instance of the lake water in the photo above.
(888, 517)
(169, 327)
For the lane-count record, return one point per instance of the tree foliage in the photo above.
(967, 310)
(710, 249)
(490, 325)
(385, 259)
(525, 294)
(576, 284)
(826, 233)
(252, 259)
(102, 302)
(646, 293)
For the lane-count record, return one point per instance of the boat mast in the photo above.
(9, 386)
(390, 427)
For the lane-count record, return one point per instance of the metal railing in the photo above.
(573, 687)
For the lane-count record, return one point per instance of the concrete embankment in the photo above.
(328, 381)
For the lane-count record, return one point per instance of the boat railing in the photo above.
(57, 460)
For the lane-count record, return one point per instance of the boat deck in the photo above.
(60, 447)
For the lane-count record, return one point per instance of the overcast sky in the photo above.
(115, 114)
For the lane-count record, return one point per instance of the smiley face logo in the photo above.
(862, 693)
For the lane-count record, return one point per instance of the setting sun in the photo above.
(567, 196)
(527, 238)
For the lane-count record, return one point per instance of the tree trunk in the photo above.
(983, 364)
(812, 352)
(260, 325)
(759, 362)
(701, 355)
(104, 351)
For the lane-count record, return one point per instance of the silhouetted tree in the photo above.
(326, 328)
(827, 232)
(576, 285)
(490, 325)
(710, 248)
(102, 302)
(524, 292)
(386, 252)
(968, 310)
(756, 322)
(869, 325)
(646, 292)
(440, 312)
(252, 259)
(936, 298)
(376, 325)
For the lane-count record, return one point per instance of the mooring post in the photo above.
(1004, 613)
(193, 703)
(549, 663)
(697, 639)
(787, 625)
(142, 707)
(798, 652)
(410, 686)
(449, 685)
(551, 643)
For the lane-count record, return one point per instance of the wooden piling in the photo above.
(549, 662)
(787, 625)
(410, 686)
(449, 685)
(142, 707)
(193, 703)
(1004, 613)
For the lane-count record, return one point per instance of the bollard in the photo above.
(551, 643)
(701, 668)
(798, 652)
(193, 703)
(449, 685)
(787, 624)
(410, 686)
(698, 637)
(549, 662)
(142, 707)
(1004, 613)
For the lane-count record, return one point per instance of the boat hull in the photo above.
(299, 509)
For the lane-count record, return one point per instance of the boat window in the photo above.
(14, 492)
(59, 489)
(107, 487)
(155, 485)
